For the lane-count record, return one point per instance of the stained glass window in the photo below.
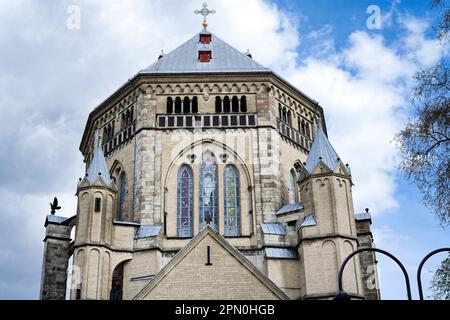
(184, 202)
(122, 197)
(208, 191)
(292, 188)
(232, 215)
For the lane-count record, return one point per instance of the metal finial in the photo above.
(205, 12)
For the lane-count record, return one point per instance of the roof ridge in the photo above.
(227, 246)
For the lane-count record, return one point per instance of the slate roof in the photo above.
(363, 216)
(98, 167)
(308, 221)
(184, 59)
(281, 253)
(148, 231)
(292, 207)
(322, 151)
(273, 228)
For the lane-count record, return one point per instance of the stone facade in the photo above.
(123, 247)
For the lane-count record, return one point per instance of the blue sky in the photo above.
(51, 77)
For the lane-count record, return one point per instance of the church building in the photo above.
(209, 176)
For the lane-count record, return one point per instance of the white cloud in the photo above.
(365, 91)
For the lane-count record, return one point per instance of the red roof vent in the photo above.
(204, 56)
(205, 38)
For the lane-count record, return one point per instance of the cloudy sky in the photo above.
(52, 74)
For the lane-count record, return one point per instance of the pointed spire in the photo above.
(322, 151)
(98, 167)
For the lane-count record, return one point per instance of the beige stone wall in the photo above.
(227, 278)
(143, 264)
(286, 275)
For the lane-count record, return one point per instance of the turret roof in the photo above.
(98, 167)
(322, 151)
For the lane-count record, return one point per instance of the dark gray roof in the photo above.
(55, 219)
(52, 219)
(281, 253)
(363, 216)
(308, 221)
(148, 231)
(98, 167)
(273, 228)
(184, 59)
(322, 151)
(292, 207)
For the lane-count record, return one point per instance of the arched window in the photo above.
(218, 105)
(116, 292)
(186, 105)
(169, 105)
(226, 104)
(122, 196)
(208, 190)
(232, 212)
(289, 118)
(293, 187)
(235, 104)
(284, 115)
(185, 205)
(303, 127)
(308, 133)
(178, 105)
(280, 112)
(243, 104)
(195, 105)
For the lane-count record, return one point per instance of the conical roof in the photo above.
(322, 151)
(98, 167)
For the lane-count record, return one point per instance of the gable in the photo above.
(188, 277)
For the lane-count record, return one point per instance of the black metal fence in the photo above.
(342, 295)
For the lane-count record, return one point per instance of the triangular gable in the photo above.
(231, 275)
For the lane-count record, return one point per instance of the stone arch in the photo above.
(183, 153)
(216, 88)
(116, 291)
(263, 88)
(244, 88)
(235, 88)
(79, 264)
(329, 266)
(350, 277)
(93, 264)
(197, 89)
(178, 89)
